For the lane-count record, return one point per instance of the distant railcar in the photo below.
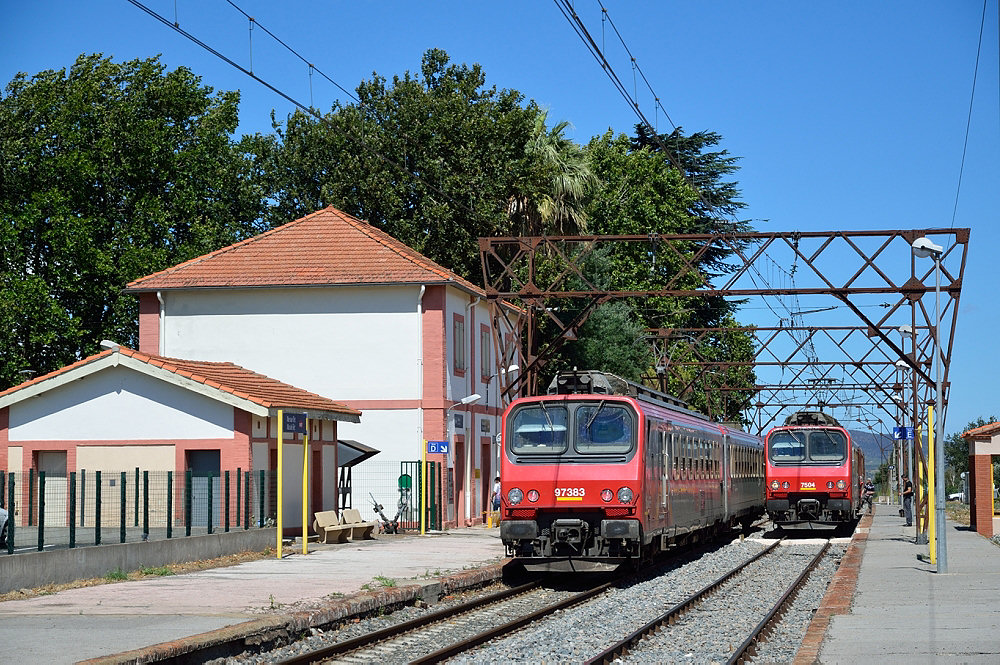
(602, 471)
(814, 473)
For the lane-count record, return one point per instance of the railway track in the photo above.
(445, 633)
(654, 642)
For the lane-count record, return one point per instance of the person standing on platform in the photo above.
(908, 501)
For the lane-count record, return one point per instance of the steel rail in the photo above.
(748, 650)
(622, 647)
(393, 631)
(508, 628)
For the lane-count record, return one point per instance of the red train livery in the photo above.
(814, 473)
(602, 471)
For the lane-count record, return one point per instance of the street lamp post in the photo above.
(495, 433)
(924, 248)
(905, 330)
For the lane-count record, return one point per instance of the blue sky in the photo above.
(847, 115)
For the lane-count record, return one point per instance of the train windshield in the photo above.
(538, 429)
(815, 445)
(603, 428)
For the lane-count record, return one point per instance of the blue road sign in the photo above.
(295, 422)
(437, 447)
(903, 433)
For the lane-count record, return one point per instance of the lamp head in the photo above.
(923, 248)
(474, 397)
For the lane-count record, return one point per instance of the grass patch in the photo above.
(161, 571)
(116, 575)
(384, 581)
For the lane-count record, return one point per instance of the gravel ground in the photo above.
(573, 635)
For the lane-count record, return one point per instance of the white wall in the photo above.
(344, 343)
(395, 433)
(118, 403)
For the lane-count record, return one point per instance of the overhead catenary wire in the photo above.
(968, 121)
(305, 109)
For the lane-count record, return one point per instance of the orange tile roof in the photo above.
(226, 377)
(328, 247)
(983, 430)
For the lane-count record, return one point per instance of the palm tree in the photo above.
(552, 197)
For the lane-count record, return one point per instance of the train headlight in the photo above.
(532, 495)
(625, 495)
(515, 496)
(775, 484)
(785, 485)
(829, 484)
(607, 495)
(841, 484)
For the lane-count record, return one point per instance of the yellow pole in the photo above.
(423, 484)
(305, 490)
(931, 472)
(920, 484)
(281, 424)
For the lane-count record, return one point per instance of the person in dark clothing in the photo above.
(3, 528)
(908, 501)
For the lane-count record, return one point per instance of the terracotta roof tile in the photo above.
(983, 430)
(328, 247)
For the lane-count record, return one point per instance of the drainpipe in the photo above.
(420, 362)
(160, 341)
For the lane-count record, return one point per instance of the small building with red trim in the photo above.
(984, 444)
(122, 409)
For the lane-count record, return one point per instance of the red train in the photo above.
(602, 471)
(815, 473)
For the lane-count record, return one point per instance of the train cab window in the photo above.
(538, 430)
(604, 428)
(787, 446)
(827, 445)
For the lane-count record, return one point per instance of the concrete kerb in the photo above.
(839, 595)
(35, 569)
(275, 631)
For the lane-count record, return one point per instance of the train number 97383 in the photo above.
(570, 492)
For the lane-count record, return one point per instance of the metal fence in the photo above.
(87, 507)
(99, 507)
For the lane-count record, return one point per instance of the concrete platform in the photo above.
(887, 603)
(98, 621)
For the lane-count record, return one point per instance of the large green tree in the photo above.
(433, 159)
(956, 451)
(108, 172)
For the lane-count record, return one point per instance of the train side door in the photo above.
(725, 482)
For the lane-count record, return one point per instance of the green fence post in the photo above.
(145, 505)
(246, 499)
(187, 503)
(10, 510)
(227, 500)
(97, 507)
(124, 484)
(260, 516)
(136, 511)
(72, 509)
(41, 511)
(210, 501)
(170, 503)
(31, 497)
(83, 495)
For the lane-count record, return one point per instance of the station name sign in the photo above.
(294, 422)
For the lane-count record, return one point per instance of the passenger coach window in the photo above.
(787, 446)
(827, 445)
(537, 430)
(604, 428)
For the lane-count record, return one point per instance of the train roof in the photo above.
(817, 418)
(593, 382)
